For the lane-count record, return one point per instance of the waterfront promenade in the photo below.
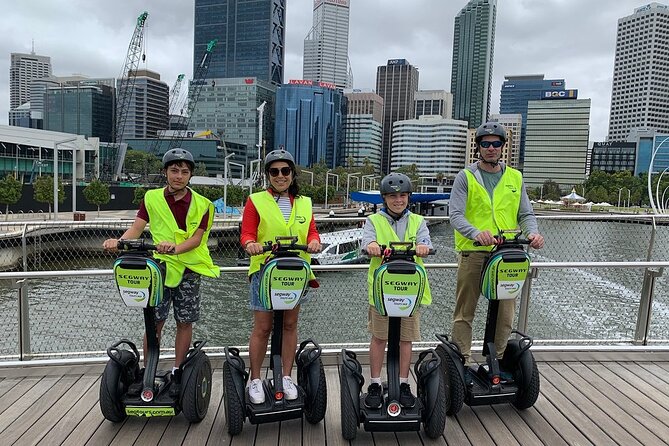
(587, 397)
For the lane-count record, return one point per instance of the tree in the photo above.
(142, 163)
(10, 192)
(551, 190)
(43, 191)
(139, 195)
(97, 193)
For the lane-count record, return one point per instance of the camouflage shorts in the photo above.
(186, 299)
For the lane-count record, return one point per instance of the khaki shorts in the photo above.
(377, 325)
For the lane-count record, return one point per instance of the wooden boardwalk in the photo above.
(586, 398)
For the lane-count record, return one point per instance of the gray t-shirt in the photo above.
(490, 180)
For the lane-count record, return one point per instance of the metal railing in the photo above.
(598, 282)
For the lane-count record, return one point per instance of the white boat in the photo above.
(340, 247)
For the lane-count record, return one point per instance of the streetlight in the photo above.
(629, 194)
(327, 176)
(251, 178)
(310, 173)
(241, 182)
(225, 183)
(55, 174)
(357, 182)
(363, 180)
(541, 192)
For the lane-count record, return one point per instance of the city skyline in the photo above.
(583, 57)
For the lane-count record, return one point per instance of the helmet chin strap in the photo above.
(490, 163)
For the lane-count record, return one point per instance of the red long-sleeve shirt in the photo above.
(251, 220)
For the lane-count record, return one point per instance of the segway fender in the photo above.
(518, 357)
(307, 364)
(427, 371)
(352, 369)
(238, 370)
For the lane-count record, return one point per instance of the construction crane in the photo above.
(173, 109)
(199, 78)
(126, 90)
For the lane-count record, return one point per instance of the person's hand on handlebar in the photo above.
(485, 238)
(536, 241)
(166, 247)
(373, 249)
(422, 250)
(110, 244)
(314, 246)
(254, 248)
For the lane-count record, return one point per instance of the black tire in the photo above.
(349, 417)
(196, 393)
(315, 405)
(234, 409)
(454, 388)
(113, 385)
(529, 392)
(435, 423)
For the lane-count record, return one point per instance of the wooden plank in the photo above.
(41, 426)
(23, 404)
(51, 370)
(531, 419)
(577, 396)
(104, 433)
(557, 420)
(643, 425)
(219, 433)
(175, 432)
(6, 384)
(630, 390)
(20, 388)
(647, 388)
(332, 419)
(473, 428)
(454, 434)
(130, 431)
(571, 412)
(290, 432)
(199, 433)
(491, 421)
(74, 416)
(660, 386)
(657, 371)
(385, 438)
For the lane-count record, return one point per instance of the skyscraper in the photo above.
(22, 69)
(517, 91)
(251, 36)
(363, 129)
(639, 98)
(434, 102)
(326, 45)
(471, 73)
(148, 109)
(397, 84)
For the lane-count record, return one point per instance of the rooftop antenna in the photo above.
(32, 51)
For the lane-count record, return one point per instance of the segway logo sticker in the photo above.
(394, 409)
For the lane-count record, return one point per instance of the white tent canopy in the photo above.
(573, 196)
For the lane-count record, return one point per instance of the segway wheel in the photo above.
(113, 385)
(454, 388)
(196, 393)
(435, 422)
(349, 417)
(529, 392)
(234, 408)
(315, 405)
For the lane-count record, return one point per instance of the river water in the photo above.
(584, 305)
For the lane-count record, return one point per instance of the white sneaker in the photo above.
(289, 389)
(256, 392)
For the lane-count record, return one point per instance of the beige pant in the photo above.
(468, 290)
(377, 325)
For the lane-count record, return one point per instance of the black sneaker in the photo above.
(374, 398)
(406, 397)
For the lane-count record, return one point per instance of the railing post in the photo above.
(646, 306)
(24, 247)
(24, 320)
(525, 300)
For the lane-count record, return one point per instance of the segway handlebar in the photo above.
(284, 244)
(399, 248)
(500, 240)
(135, 245)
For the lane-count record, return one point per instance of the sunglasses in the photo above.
(495, 144)
(285, 171)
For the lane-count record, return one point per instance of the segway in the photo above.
(398, 287)
(125, 388)
(503, 276)
(283, 283)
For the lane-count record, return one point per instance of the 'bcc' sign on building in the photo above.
(560, 94)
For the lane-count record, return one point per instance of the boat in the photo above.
(340, 247)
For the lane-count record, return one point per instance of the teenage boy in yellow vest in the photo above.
(180, 220)
(278, 211)
(487, 197)
(393, 223)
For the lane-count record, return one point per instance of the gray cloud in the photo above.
(570, 39)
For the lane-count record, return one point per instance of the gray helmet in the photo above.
(279, 155)
(395, 182)
(490, 128)
(176, 155)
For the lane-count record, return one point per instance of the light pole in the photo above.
(362, 186)
(348, 179)
(541, 192)
(225, 184)
(251, 178)
(327, 177)
(241, 182)
(310, 174)
(55, 173)
(261, 109)
(629, 194)
(619, 190)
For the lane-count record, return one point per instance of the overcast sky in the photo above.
(570, 39)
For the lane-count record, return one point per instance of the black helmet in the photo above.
(490, 128)
(279, 155)
(176, 155)
(395, 182)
